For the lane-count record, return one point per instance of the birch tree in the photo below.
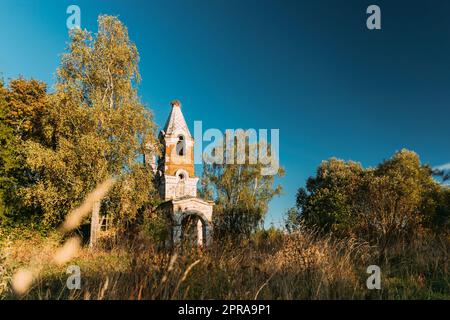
(98, 126)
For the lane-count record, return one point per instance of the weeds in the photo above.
(302, 265)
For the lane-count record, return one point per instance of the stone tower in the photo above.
(177, 184)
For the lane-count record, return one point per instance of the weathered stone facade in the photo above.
(178, 183)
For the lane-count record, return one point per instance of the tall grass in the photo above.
(302, 265)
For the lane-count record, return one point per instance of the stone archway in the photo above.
(192, 228)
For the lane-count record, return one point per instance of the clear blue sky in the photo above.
(310, 68)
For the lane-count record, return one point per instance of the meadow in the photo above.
(270, 265)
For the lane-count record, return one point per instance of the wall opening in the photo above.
(181, 146)
(193, 231)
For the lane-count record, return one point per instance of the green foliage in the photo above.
(92, 127)
(22, 108)
(396, 199)
(100, 128)
(157, 228)
(241, 195)
(441, 220)
(292, 219)
(27, 102)
(268, 240)
(8, 161)
(328, 198)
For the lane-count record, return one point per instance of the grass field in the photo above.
(272, 265)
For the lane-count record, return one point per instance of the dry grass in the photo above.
(298, 266)
(51, 252)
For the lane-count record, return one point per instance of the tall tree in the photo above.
(400, 196)
(327, 200)
(8, 160)
(396, 199)
(22, 108)
(99, 128)
(241, 194)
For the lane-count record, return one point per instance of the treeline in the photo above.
(391, 202)
(57, 146)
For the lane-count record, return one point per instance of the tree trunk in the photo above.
(95, 224)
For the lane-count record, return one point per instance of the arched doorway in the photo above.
(194, 230)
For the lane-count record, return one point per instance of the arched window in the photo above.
(181, 186)
(181, 146)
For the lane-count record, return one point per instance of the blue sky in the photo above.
(309, 68)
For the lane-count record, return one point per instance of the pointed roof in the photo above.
(176, 122)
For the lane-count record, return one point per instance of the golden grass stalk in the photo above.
(188, 270)
(23, 279)
(75, 217)
(68, 251)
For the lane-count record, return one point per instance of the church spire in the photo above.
(176, 123)
(177, 162)
(177, 182)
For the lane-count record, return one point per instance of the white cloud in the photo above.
(443, 167)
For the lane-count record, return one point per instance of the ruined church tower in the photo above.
(177, 184)
(177, 162)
